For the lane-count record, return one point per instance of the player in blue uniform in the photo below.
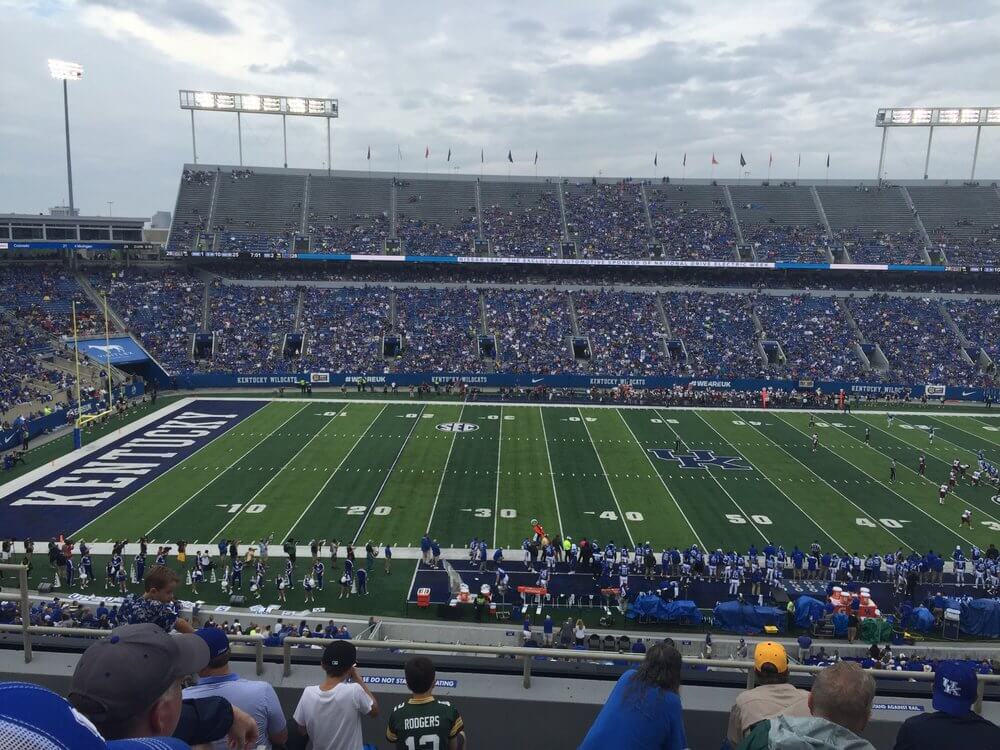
(236, 577)
(318, 570)
(362, 580)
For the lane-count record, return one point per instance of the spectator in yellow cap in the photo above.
(772, 696)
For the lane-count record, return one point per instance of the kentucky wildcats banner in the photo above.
(120, 350)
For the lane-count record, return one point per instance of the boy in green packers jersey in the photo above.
(423, 722)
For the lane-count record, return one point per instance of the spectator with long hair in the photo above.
(644, 709)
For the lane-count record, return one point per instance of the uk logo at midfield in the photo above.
(701, 459)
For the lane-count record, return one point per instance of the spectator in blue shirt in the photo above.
(256, 698)
(644, 709)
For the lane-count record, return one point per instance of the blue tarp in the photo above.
(840, 621)
(747, 618)
(981, 618)
(808, 611)
(652, 606)
(920, 619)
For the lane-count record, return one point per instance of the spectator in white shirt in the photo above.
(330, 714)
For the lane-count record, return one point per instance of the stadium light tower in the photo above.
(935, 117)
(65, 72)
(259, 104)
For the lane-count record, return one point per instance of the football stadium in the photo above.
(368, 450)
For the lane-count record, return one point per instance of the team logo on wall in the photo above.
(701, 459)
(457, 427)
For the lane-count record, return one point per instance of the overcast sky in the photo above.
(594, 87)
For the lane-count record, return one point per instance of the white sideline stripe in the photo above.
(15, 485)
(607, 478)
(212, 481)
(528, 405)
(662, 480)
(444, 473)
(552, 474)
(496, 499)
(385, 481)
(330, 478)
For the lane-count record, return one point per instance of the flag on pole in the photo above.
(743, 162)
(770, 159)
(400, 152)
(369, 153)
(656, 159)
(828, 161)
(800, 159)
(482, 156)
(684, 161)
(510, 156)
(449, 155)
(427, 151)
(536, 157)
(714, 160)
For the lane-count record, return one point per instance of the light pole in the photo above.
(67, 71)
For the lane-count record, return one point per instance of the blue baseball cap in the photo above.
(35, 718)
(954, 688)
(217, 640)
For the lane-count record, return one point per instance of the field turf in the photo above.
(388, 471)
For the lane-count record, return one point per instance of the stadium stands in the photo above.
(521, 219)
(343, 328)
(718, 334)
(781, 223)
(436, 217)
(532, 327)
(692, 221)
(626, 332)
(348, 215)
(875, 224)
(607, 220)
(963, 221)
(439, 328)
(249, 323)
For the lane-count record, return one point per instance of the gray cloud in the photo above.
(291, 66)
(196, 14)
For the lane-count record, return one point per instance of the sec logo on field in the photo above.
(457, 427)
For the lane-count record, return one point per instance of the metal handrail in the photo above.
(527, 654)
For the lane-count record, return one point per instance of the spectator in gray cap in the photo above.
(129, 685)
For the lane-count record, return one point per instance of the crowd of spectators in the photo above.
(914, 337)
(343, 328)
(439, 327)
(774, 242)
(534, 231)
(881, 247)
(607, 220)
(362, 234)
(424, 237)
(979, 321)
(974, 250)
(626, 334)
(718, 334)
(814, 336)
(163, 306)
(532, 327)
(257, 242)
(690, 233)
(249, 325)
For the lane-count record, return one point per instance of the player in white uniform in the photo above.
(734, 580)
(966, 519)
(942, 491)
(815, 441)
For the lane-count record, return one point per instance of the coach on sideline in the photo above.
(156, 605)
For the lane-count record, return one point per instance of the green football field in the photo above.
(390, 471)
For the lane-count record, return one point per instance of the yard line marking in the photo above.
(925, 478)
(388, 474)
(275, 476)
(787, 497)
(552, 474)
(662, 481)
(621, 513)
(716, 479)
(333, 473)
(444, 472)
(978, 437)
(864, 513)
(905, 500)
(496, 501)
(211, 481)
